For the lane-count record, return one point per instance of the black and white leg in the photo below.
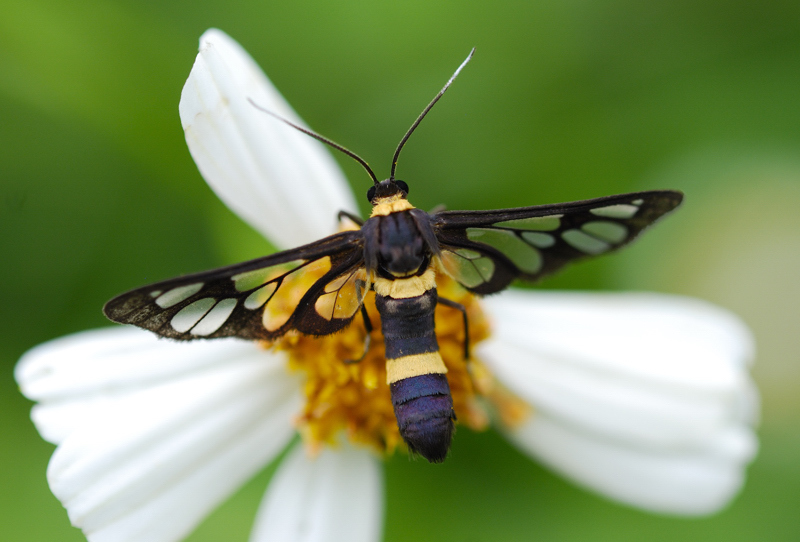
(449, 303)
(367, 339)
(350, 216)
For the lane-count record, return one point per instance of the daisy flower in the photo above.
(643, 398)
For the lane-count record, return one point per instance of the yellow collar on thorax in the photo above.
(392, 204)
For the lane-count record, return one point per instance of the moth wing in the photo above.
(315, 289)
(486, 250)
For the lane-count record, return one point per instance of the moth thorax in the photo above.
(401, 247)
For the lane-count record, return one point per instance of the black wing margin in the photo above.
(486, 250)
(315, 289)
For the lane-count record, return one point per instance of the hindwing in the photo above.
(486, 250)
(315, 289)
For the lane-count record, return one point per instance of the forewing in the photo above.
(486, 250)
(315, 289)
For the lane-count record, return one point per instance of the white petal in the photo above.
(113, 358)
(688, 482)
(75, 376)
(640, 375)
(337, 496)
(282, 182)
(620, 330)
(154, 448)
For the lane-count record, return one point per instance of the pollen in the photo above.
(345, 388)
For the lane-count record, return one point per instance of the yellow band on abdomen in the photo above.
(414, 365)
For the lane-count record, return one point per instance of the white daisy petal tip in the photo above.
(644, 398)
(265, 171)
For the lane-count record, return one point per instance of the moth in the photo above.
(397, 253)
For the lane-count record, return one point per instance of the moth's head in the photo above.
(387, 190)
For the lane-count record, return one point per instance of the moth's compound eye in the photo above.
(371, 193)
(402, 186)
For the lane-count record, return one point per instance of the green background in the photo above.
(563, 101)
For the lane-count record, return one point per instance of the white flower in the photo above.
(644, 398)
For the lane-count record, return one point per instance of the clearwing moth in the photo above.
(397, 253)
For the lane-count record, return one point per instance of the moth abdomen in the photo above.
(424, 411)
(415, 370)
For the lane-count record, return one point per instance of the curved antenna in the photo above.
(425, 112)
(318, 137)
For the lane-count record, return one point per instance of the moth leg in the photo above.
(438, 209)
(449, 303)
(367, 340)
(344, 214)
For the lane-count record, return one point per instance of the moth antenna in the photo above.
(425, 112)
(318, 137)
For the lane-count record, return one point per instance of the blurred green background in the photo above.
(563, 101)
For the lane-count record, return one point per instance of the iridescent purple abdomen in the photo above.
(424, 411)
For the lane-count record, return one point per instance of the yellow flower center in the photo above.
(343, 395)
